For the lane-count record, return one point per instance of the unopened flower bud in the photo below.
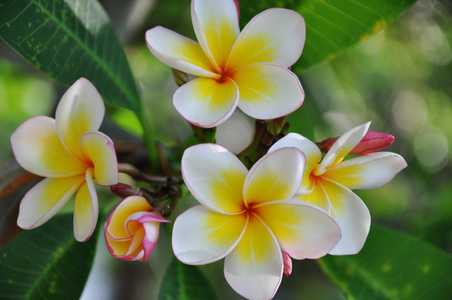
(123, 190)
(132, 230)
(373, 141)
(180, 77)
(274, 126)
(287, 270)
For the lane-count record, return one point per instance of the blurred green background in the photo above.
(400, 79)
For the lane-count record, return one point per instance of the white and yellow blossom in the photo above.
(248, 69)
(248, 217)
(71, 153)
(328, 184)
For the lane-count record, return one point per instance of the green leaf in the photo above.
(332, 25)
(392, 265)
(69, 39)
(184, 282)
(46, 263)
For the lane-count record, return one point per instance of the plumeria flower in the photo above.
(328, 184)
(247, 218)
(248, 69)
(132, 230)
(70, 152)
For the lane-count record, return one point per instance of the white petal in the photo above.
(45, 199)
(276, 176)
(226, 134)
(302, 229)
(98, 149)
(352, 216)
(342, 147)
(179, 52)
(276, 36)
(39, 150)
(267, 91)
(201, 236)
(81, 109)
(309, 148)
(215, 177)
(254, 268)
(205, 102)
(216, 26)
(367, 171)
(85, 209)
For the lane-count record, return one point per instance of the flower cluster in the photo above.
(290, 204)
(249, 217)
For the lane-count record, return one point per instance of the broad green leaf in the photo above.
(69, 39)
(392, 265)
(184, 282)
(332, 25)
(46, 262)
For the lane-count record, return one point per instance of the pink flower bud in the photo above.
(373, 141)
(132, 230)
(287, 270)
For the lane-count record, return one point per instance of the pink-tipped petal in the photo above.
(216, 26)
(201, 236)
(144, 226)
(142, 217)
(274, 36)
(136, 250)
(342, 147)
(368, 171)
(132, 230)
(39, 150)
(179, 52)
(98, 149)
(85, 209)
(310, 150)
(276, 176)
(205, 102)
(45, 199)
(118, 248)
(268, 91)
(254, 268)
(352, 216)
(81, 109)
(115, 225)
(302, 230)
(151, 236)
(215, 177)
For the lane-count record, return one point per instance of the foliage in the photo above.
(185, 282)
(46, 263)
(333, 26)
(68, 40)
(392, 265)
